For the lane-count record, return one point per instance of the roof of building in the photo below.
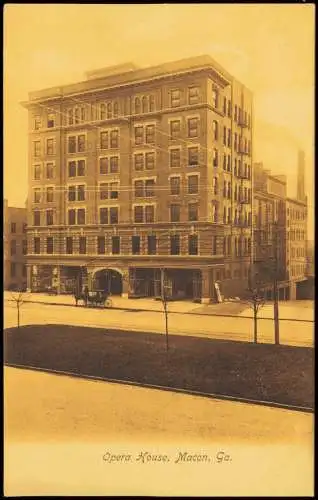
(128, 74)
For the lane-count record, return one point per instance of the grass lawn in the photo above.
(280, 374)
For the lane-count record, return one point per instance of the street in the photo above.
(68, 425)
(229, 328)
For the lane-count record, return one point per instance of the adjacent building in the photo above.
(15, 247)
(280, 231)
(134, 171)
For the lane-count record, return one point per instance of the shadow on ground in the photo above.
(278, 374)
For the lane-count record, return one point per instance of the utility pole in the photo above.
(276, 313)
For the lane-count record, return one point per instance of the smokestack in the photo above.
(301, 176)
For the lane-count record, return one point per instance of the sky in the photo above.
(268, 47)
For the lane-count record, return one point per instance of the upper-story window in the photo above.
(51, 120)
(193, 184)
(235, 113)
(151, 103)
(76, 115)
(215, 157)
(37, 172)
(193, 156)
(109, 110)
(229, 108)
(175, 185)
(215, 98)
(76, 168)
(175, 129)
(37, 122)
(175, 158)
(224, 105)
(137, 106)
(144, 134)
(193, 95)
(215, 127)
(37, 196)
(144, 103)
(50, 147)
(37, 148)
(50, 170)
(150, 134)
(175, 98)
(109, 165)
(50, 194)
(102, 111)
(115, 109)
(193, 127)
(76, 143)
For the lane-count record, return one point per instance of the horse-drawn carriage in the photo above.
(92, 298)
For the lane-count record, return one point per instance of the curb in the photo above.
(221, 397)
(170, 312)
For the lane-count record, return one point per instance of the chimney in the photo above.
(301, 176)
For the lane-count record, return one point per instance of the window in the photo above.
(36, 148)
(193, 156)
(137, 106)
(139, 189)
(37, 196)
(36, 245)
(50, 147)
(193, 209)
(151, 103)
(13, 269)
(229, 136)
(139, 161)
(113, 215)
(215, 158)
(24, 227)
(215, 98)
(36, 218)
(214, 212)
(229, 163)
(82, 245)
(175, 98)
(152, 244)
(193, 95)
(224, 162)
(229, 108)
(139, 214)
(144, 102)
(150, 134)
(149, 213)
(104, 140)
(175, 129)
(114, 186)
(174, 185)
(175, 244)
(81, 143)
(109, 110)
(71, 144)
(215, 127)
(175, 158)
(229, 190)
(193, 184)
(101, 245)
(37, 172)
(50, 120)
(37, 122)
(149, 187)
(224, 105)
(13, 247)
(150, 161)
(49, 194)
(102, 111)
(79, 189)
(69, 244)
(193, 244)
(193, 127)
(50, 170)
(235, 112)
(103, 215)
(115, 245)
(81, 216)
(49, 244)
(114, 139)
(72, 217)
(80, 168)
(174, 213)
(214, 245)
(49, 218)
(72, 193)
(224, 136)
(24, 247)
(76, 168)
(215, 185)
(135, 245)
(115, 109)
(139, 135)
(72, 168)
(13, 227)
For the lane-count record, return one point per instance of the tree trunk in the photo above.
(255, 327)
(18, 306)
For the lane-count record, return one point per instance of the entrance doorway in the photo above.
(108, 280)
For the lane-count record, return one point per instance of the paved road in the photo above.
(58, 429)
(291, 333)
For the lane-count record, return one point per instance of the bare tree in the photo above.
(19, 299)
(256, 300)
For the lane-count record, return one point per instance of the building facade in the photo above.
(15, 247)
(135, 171)
(280, 232)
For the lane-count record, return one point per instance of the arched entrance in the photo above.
(109, 280)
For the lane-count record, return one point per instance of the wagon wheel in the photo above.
(108, 303)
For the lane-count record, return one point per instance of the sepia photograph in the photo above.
(158, 235)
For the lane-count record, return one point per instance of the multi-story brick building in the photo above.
(15, 247)
(280, 231)
(137, 170)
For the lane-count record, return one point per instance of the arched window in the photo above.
(151, 103)
(102, 111)
(109, 110)
(215, 157)
(76, 115)
(115, 109)
(144, 104)
(137, 106)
